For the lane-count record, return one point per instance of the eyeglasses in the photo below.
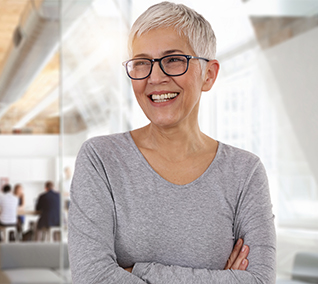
(171, 65)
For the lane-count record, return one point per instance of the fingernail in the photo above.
(243, 248)
(239, 242)
(244, 261)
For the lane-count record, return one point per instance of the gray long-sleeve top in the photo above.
(123, 213)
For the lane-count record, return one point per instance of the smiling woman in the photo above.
(165, 203)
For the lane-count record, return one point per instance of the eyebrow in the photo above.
(167, 52)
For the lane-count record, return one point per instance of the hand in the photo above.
(129, 269)
(238, 258)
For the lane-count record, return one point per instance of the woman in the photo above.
(18, 192)
(166, 202)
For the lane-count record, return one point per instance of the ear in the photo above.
(211, 72)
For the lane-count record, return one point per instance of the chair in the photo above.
(305, 269)
(47, 234)
(5, 233)
(52, 230)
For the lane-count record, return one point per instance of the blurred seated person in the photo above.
(8, 207)
(49, 206)
(18, 192)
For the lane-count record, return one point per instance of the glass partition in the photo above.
(95, 94)
(29, 113)
(30, 137)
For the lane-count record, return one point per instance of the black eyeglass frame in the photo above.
(159, 60)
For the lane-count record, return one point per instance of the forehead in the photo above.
(159, 42)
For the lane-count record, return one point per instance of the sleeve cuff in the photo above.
(140, 269)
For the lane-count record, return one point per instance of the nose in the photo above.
(157, 76)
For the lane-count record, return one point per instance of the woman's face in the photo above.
(182, 109)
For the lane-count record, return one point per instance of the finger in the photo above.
(239, 260)
(228, 265)
(234, 254)
(243, 265)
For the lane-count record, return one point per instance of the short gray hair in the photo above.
(185, 20)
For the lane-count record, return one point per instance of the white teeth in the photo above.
(163, 97)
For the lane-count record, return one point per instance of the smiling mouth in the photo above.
(163, 97)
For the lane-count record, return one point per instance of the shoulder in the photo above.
(51, 193)
(237, 161)
(42, 195)
(243, 170)
(9, 197)
(236, 155)
(105, 142)
(100, 148)
(45, 195)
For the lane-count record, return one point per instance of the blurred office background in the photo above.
(61, 82)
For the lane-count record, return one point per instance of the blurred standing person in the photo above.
(66, 193)
(49, 206)
(18, 192)
(67, 186)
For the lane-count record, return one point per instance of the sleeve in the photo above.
(92, 222)
(254, 222)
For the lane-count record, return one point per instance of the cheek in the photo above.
(138, 86)
(194, 79)
(134, 86)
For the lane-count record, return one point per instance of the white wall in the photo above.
(29, 145)
(33, 159)
(294, 65)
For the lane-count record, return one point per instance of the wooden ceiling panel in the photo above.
(41, 87)
(10, 13)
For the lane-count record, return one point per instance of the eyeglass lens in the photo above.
(173, 65)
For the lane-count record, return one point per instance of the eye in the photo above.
(175, 59)
(140, 63)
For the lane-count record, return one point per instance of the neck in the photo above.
(175, 143)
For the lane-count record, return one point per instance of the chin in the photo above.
(164, 123)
